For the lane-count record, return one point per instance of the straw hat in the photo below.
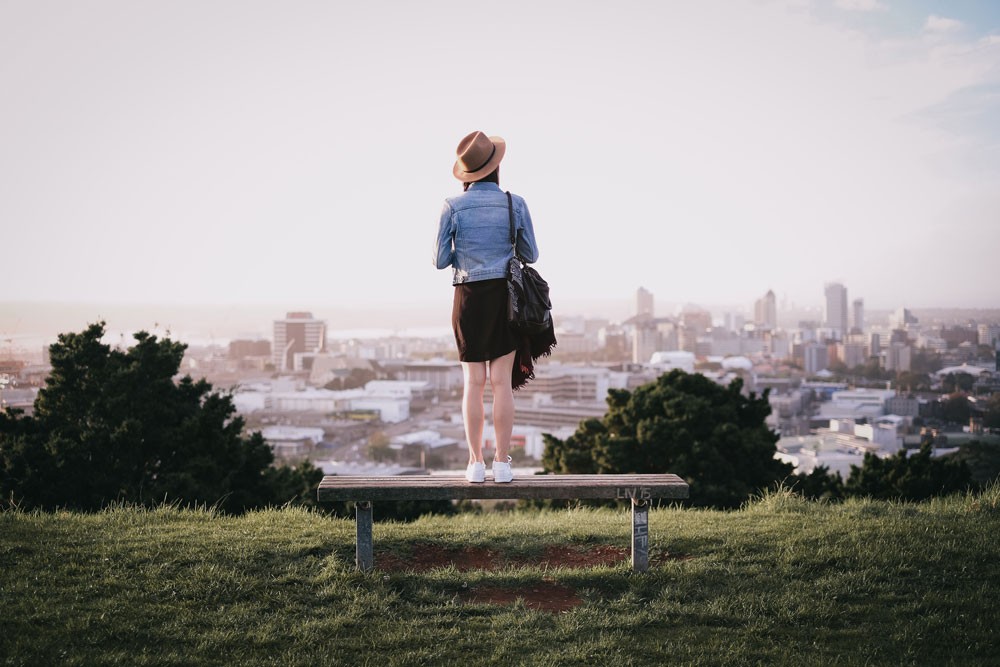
(478, 156)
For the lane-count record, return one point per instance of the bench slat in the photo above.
(435, 487)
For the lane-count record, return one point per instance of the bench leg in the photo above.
(640, 535)
(364, 556)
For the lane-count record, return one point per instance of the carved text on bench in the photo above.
(633, 492)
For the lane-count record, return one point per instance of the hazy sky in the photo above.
(297, 153)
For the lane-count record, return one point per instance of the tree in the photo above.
(909, 381)
(713, 436)
(838, 368)
(872, 370)
(956, 409)
(983, 460)
(356, 377)
(903, 477)
(925, 362)
(991, 411)
(379, 449)
(113, 425)
(820, 484)
(955, 382)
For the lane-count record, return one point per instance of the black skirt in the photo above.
(479, 319)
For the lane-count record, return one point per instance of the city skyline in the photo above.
(239, 153)
(203, 324)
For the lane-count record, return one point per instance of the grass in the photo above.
(782, 581)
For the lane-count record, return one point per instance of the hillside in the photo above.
(782, 581)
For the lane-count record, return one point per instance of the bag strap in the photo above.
(513, 233)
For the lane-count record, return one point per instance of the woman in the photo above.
(474, 239)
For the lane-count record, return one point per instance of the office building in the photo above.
(903, 319)
(858, 309)
(646, 340)
(897, 357)
(299, 332)
(765, 312)
(835, 310)
(988, 334)
(851, 354)
(643, 302)
(815, 357)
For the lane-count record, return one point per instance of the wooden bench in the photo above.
(640, 489)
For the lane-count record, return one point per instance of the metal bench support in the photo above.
(364, 551)
(640, 535)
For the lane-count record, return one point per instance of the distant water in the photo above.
(410, 332)
(34, 324)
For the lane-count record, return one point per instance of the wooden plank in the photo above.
(433, 487)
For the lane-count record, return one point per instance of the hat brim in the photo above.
(486, 169)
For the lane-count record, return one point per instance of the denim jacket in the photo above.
(474, 235)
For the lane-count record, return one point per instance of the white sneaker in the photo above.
(476, 472)
(502, 472)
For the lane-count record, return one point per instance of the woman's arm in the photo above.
(526, 246)
(444, 247)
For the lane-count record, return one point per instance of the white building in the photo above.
(247, 402)
(545, 414)
(391, 408)
(398, 388)
(426, 438)
(883, 431)
(529, 438)
(441, 375)
(974, 371)
(310, 400)
(292, 440)
(737, 363)
(856, 404)
(806, 453)
(668, 361)
(574, 383)
(841, 446)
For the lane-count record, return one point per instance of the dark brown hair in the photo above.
(492, 177)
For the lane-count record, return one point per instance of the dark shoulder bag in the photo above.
(529, 310)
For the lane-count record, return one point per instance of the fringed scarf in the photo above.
(529, 349)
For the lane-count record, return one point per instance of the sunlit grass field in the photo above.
(782, 581)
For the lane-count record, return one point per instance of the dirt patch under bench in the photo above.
(543, 596)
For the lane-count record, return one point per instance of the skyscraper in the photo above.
(858, 306)
(643, 302)
(765, 311)
(902, 318)
(835, 313)
(298, 332)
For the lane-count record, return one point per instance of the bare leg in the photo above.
(503, 403)
(472, 407)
